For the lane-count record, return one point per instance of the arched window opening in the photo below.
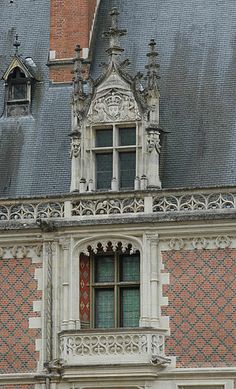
(110, 287)
(17, 85)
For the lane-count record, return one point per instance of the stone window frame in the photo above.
(117, 285)
(17, 107)
(204, 384)
(91, 150)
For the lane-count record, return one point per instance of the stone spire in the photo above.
(16, 44)
(114, 33)
(78, 66)
(152, 66)
(79, 96)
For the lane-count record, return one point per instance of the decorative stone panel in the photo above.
(114, 347)
(201, 306)
(19, 295)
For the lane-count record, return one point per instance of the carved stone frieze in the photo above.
(109, 244)
(20, 251)
(199, 243)
(114, 106)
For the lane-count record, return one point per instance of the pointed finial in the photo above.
(16, 44)
(78, 68)
(114, 34)
(152, 66)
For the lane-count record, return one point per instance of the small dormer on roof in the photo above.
(19, 77)
(116, 133)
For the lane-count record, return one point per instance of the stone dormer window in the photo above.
(18, 78)
(116, 134)
(17, 86)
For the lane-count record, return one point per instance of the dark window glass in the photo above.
(104, 269)
(116, 304)
(104, 138)
(129, 268)
(129, 306)
(104, 170)
(127, 136)
(17, 85)
(104, 308)
(127, 169)
(19, 91)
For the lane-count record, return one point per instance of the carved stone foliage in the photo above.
(107, 207)
(19, 252)
(105, 245)
(29, 211)
(194, 202)
(153, 141)
(115, 105)
(200, 243)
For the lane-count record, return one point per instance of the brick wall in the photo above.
(201, 307)
(18, 290)
(71, 23)
(24, 386)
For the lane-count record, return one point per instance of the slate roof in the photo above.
(197, 53)
(34, 151)
(196, 41)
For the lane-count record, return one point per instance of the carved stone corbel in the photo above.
(75, 146)
(153, 140)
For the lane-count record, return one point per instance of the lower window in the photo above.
(114, 290)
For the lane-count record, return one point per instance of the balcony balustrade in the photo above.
(90, 205)
(96, 347)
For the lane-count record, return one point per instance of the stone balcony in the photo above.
(110, 347)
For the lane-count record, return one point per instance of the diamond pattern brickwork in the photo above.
(17, 386)
(201, 307)
(18, 290)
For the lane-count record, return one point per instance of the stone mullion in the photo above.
(65, 284)
(48, 303)
(154, 278)
(74, 298)
(145, 286)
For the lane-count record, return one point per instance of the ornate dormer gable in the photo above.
(18, 77)
(116, 134)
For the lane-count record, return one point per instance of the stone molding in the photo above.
(21, 251)
(198, 243)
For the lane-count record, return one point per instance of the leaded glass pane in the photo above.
(104, 138)
(127, 169)
(104, 269)
(104, 308)
(129, 268)
(127, 136)
(104, 170)
(130, 307)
